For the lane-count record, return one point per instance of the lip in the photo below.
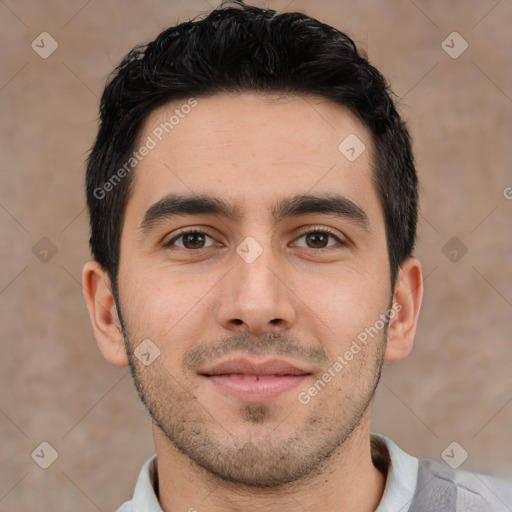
(249, 367)
(252, 381)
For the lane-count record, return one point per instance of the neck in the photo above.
(348, 481)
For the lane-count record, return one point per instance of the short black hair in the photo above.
(240, 48)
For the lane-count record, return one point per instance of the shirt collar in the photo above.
(401, 479)
(145, 497)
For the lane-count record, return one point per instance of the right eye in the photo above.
(191, 240)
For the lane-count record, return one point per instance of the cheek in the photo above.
(164, 305)
(348, 303)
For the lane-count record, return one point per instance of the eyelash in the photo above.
(194, 231)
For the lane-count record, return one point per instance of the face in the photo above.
(253, 257)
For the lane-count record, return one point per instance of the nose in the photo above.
(256, 298)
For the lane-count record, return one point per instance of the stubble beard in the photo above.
(260, 454)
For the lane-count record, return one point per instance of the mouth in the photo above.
(251, 381)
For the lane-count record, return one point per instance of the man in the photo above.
(253, 205)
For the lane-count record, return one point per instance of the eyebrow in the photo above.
(175, 205)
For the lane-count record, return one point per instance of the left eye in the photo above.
(317, 240)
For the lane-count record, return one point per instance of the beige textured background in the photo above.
(54, 385)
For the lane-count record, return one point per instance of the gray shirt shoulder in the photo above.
(441, 489)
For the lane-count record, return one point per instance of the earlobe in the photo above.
(407, 298)
(102, 311)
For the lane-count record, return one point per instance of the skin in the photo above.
(299, 300)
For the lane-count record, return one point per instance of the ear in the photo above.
(407, 298)
(102, 310)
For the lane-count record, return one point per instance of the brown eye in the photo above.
(192, 240)
(319, 239)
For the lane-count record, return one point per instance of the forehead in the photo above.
(252, 147)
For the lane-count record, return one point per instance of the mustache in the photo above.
(271, 344)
